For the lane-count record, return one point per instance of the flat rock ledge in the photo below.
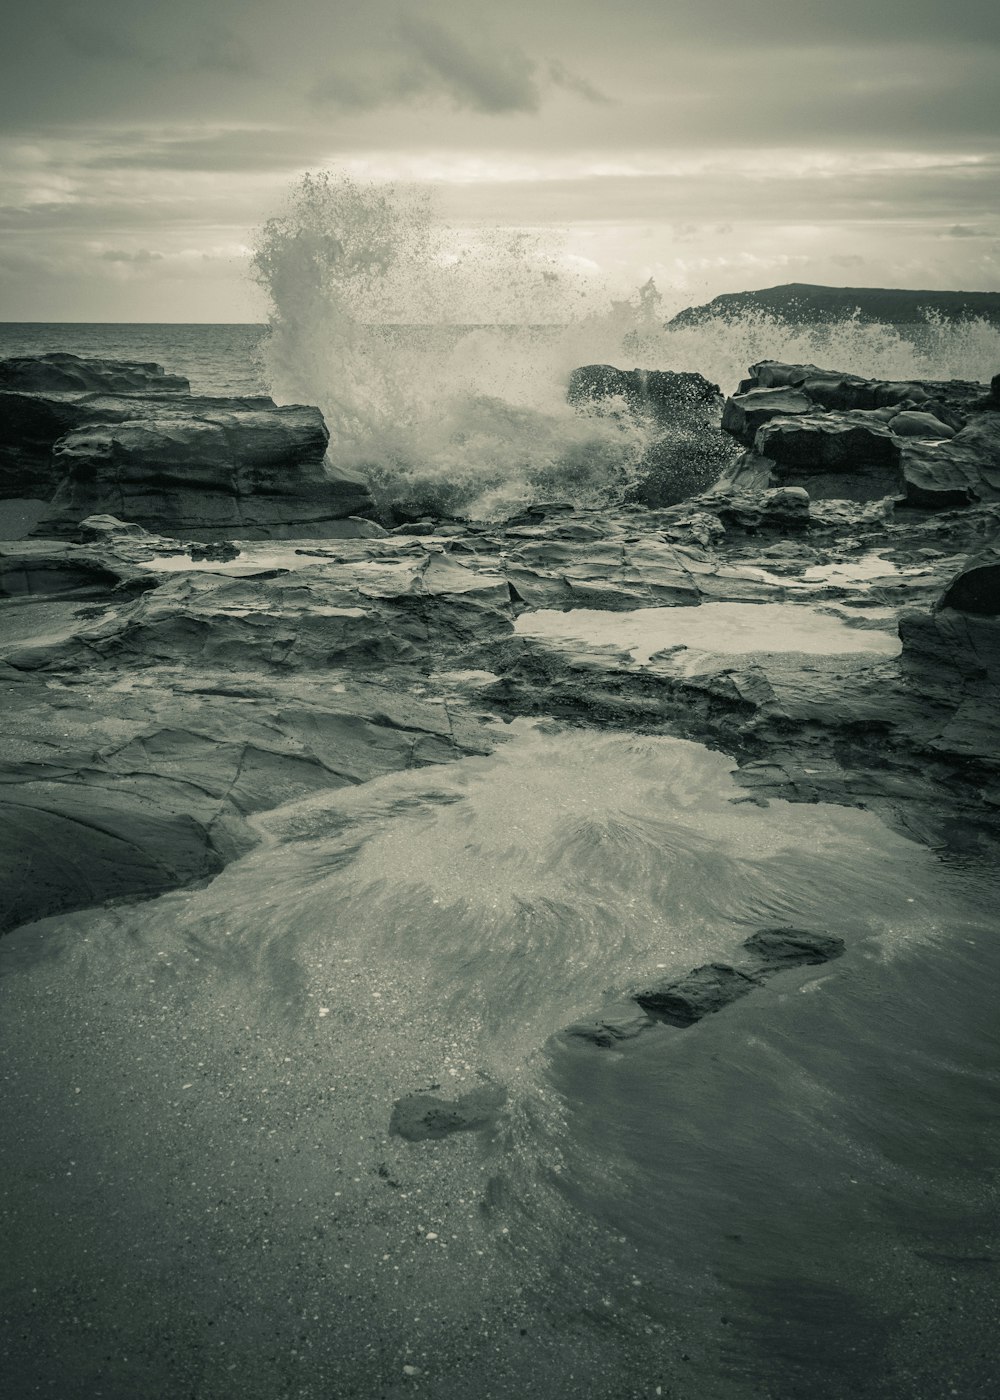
(84, 437)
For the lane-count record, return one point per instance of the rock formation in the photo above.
(102, 437)
(927, 444)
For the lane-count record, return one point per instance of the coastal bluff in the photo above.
(803, 303)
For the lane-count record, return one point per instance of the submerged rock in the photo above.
(709, 989)
(421, 1116)
(780, 948)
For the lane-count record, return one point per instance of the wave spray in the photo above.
(441, 360)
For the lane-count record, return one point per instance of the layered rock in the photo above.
(932, 445)
(249, 472)
(61, 373)
(104, 437)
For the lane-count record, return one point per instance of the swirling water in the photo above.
(779, 1201)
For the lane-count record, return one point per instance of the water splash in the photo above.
(440, 360)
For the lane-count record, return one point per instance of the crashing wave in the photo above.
(441, 363)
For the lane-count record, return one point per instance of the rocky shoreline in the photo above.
(205, 623)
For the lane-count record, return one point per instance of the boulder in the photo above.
(32, 422)
(830, 455)
(943, 475)
(700, 993)
(681, 411)
(976, 589)
(664, 393)
(847, 438)
(107, 437)
(245, 472)
(837, 391)
(912, 423)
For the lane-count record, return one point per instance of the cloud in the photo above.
(564, 77)
(423, 58)
(141, 255)
(965, 231)
(228, 149)
(482, 74)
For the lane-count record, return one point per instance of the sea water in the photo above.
(793, 1197)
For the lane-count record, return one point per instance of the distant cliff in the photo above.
(800, 303)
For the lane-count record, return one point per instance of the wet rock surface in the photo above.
(162, 686)
(934, 445)
(426, 1115)
(89, 436)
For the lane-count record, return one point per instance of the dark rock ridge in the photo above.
(102, 437)
(802, 303)
(59, 373)
(932, 445)
(706, 990)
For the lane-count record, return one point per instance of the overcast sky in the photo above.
(711, 144)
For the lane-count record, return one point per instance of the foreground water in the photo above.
(201, 1195)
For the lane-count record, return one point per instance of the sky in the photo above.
(709, 144)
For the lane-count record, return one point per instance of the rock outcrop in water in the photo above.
(932, 445)
(104, 437)
(679, 413)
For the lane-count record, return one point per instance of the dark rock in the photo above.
(663, 393)
(681, 412)
(925, 444)
(250, 473)
(745, 413)
(701, 993)
(976, 589)
(912, 423)
(780, 948)
(66, 847)
(779, 510)
(60, 373)
(24, 575)
(106, 797)
(420, 1116)
(943, 475)
(105, 437)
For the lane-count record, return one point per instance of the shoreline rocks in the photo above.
(91, 437)
(112, 647)
(930, 445)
